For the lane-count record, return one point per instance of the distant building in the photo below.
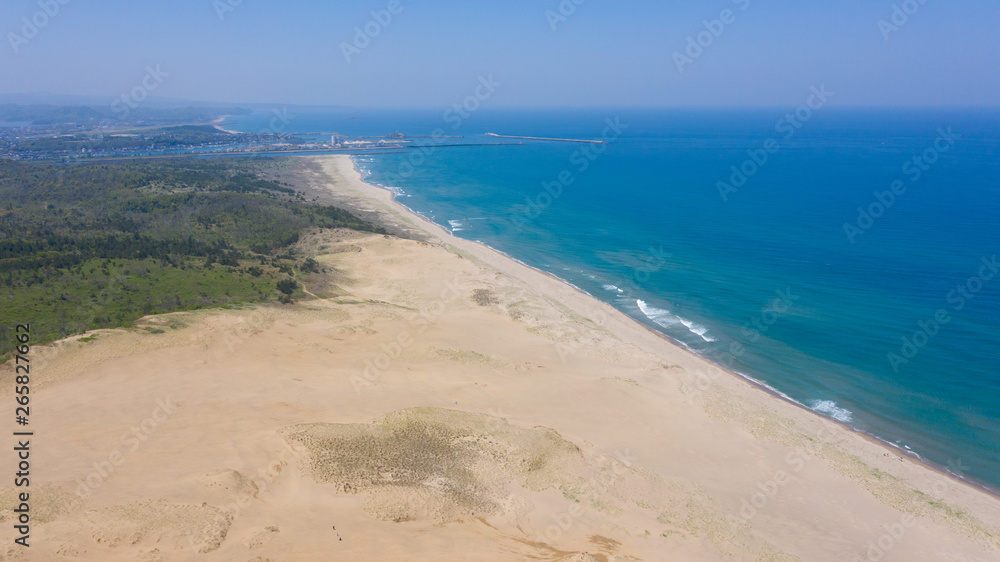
(337, 139)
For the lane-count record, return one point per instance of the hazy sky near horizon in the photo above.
(433, 53)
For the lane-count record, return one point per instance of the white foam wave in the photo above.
(456, 225)
(668, 320)
(395, 190)
(830, 408)
(613, 289)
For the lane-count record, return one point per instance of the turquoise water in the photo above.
(765, 279)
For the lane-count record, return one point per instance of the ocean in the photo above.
(847, 258)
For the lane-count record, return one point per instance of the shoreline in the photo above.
(884, 443)
(218, 120)
(440, 400)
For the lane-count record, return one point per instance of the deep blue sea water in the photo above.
(765, 280)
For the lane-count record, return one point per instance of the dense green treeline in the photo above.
(101, 245)
(155, 139)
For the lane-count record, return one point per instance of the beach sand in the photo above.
(443, 402)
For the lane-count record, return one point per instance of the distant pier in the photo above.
(360, 151)
(546, 139)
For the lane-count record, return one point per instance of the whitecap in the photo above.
(668, 320)
(613, 289)
(830, 408)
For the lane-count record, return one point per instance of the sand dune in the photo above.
(441, 402)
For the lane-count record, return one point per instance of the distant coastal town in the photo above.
(84, 134)
(58, 143)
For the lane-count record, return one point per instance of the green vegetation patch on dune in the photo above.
(457, 463)
(99, 245)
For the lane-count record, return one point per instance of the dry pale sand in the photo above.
(446, 403)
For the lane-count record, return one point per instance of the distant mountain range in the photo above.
(52, 115)
(41, 109)
(42, 98)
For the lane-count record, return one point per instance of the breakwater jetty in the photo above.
(547, 139)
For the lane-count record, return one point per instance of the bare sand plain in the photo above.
(439, 401)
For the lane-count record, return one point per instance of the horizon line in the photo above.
(157, 101)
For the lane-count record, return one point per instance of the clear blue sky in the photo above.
(607, 53)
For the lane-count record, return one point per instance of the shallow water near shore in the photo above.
(885, 318)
